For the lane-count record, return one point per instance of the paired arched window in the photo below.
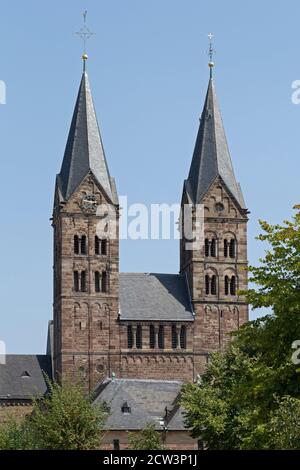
(211, 284)
(100, 246)
(100, 282)
(230, 248)
(230, 285)
(80, 245)
(161, 337)
(79, 281)
(211, 247)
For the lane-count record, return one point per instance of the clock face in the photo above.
(219, 207)
(89, 203)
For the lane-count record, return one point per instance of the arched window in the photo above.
(129, 337)
(206, 247)
(83, 281)
(97, 282)
(213, 248)
(232, 248)
(76, 245)
(83, 245)
(183, 337)
(233, 286)
(226, 285)
(152, 337)
(104, 247)
(207, 284)
(97, 245)
(213, 285)
(161, 337)
(76, 281)
(139, 338)
(174, 336)
(225, 248)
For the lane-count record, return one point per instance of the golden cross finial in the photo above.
(85, 34)
(211, 53)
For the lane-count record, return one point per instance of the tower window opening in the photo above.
(83, 281)
(83, 245)
(76, 245)
(206, 247)
(232, 248)
(213, 285)
(225, 248)
(213, 248)
(97, 282)
(97, 245)
(233, 286)
(226, 285)
(207, 284)
(104, 247)
(76, 281)
(104, 282)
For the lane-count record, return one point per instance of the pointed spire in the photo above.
(211, 156)
(84, 150)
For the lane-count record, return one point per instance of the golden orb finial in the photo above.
(85, 56)
(211, 65)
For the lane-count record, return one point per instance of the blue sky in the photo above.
(148, 72)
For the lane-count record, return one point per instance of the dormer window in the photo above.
(25, 374)
(126, 410)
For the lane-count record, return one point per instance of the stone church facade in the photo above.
(135, 338)
(139, 325)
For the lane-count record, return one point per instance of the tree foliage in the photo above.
(147, 439)
(65, 419)
(254, 386)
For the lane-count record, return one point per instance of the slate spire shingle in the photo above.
(211, 156)
(84, 150)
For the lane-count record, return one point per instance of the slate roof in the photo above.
(151, 297)
(21, 377)
(211, 156)
(147, 400)
(84, 150)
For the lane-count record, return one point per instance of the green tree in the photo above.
(242, 393)
(284, 426)
(66, 419)
(147, 439)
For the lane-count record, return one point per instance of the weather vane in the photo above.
(85, 34)
(211, 53)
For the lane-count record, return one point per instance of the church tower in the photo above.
(86, 253)
(215, 268)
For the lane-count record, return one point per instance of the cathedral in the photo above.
(144, 325)
(109, 325)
